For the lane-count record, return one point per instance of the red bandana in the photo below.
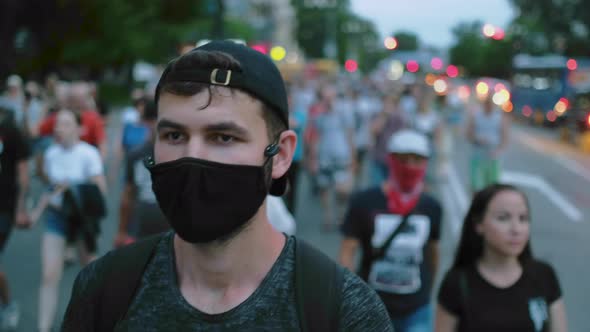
(404, 186)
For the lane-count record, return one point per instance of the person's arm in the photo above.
(444, 321)
(470, 127)
(433, 249)
(557, 317)
(348, 250)
(21, 217)
(127, 200)
(101, 182)
(505, 132)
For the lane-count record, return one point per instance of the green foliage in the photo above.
(92, 35)
(354, 36)
(406, 41)
(549, 26)
(480, 56)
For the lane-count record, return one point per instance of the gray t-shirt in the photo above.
(159, 305)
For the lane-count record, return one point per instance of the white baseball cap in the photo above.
(14, 81)
(409, 141)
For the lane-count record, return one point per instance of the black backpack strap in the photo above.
(318, 289)
(379, 253)
(122, 280)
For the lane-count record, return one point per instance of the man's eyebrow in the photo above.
(169, 124)
(228, 126)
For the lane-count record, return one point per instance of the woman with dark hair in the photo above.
(495, 284)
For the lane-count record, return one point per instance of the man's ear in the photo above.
(282, 160)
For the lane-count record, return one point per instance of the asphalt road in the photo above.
(556, 178)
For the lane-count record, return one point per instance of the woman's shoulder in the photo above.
(539, 267)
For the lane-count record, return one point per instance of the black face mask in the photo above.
(204, 200)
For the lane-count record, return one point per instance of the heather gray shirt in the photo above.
(159, 305)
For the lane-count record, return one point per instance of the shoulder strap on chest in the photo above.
(122, 280)
(318, 289)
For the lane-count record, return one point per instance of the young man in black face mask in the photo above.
(222, 145)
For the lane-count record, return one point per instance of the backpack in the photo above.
(318, 287)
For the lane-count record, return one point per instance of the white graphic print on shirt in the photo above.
(538, 312)
(399, 271)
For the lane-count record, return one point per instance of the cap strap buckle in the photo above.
(214, 77)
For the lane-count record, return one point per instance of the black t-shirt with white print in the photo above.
(403, 277)
(481, 306)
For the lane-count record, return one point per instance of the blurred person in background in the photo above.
(35, 111)
(50, 87)
(14, 184)
(495, 283)
(139, 213)
(79, 100)
(385, 124)
(488, 131)
(364, 110)
(100, 105)
(66, 163)
(297, 122)
(14, 99)
(397, 226)
(333, 156)
(311, 136)
(428, 122)
(408, 104)
(446, 134)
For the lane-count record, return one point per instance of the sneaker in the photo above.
(10, 317)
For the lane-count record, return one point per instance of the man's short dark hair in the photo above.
(215, 59)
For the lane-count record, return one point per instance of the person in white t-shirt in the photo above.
(68, 161)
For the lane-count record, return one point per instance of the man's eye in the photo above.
(173, 136)
(223, 139)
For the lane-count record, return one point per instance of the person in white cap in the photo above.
(397, 227)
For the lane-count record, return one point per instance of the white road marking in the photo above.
(536, 182)
(573, 166)
(452, 211)
(458, 189)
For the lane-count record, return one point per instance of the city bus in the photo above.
(540, 87)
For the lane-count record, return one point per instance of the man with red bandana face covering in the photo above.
(397, 227)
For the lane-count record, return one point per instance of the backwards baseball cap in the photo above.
(257, 75)
(409, 141)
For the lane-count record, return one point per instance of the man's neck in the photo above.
(217, 277)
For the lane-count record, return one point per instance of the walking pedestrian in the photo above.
(495, 283)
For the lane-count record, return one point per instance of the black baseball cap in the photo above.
(258, 76)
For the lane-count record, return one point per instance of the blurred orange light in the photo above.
(489, 30)
(588, 120)
(412, 66)
(429, 79)
(390, 43)
(572, 64)
(507, 107)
